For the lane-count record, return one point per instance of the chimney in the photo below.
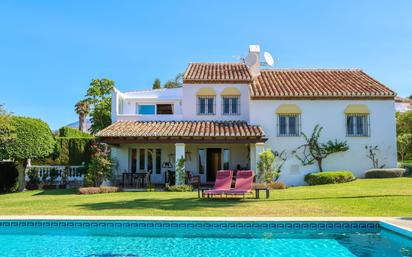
(252, 61)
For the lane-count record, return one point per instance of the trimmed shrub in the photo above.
(270, 185)
(72, 132)
(8, 177)
(179, 188)
(98, 190)
(385, 173)
(329, 177)
(407, 167)
(34, 140)
(276, 185)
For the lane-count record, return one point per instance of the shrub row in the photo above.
(385, 173)
(71, 132)
(179, 188)
(329, 177)
(98, 190)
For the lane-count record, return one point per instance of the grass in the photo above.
(365, 197)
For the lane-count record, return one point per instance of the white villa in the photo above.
(227, 113)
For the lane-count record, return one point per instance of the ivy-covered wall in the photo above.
(72, 148)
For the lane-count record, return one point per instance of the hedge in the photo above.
(329, 177)
(72, 132)
(385, 173)
(69, 151)
(8, 177)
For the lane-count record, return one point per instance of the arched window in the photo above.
(289, 122)
(230, 101)
(206, 101)
(357, 120)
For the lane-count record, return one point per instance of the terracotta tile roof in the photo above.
(234, 72)
(181, 129)
(403, 100)
(322, 83)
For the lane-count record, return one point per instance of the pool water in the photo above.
(194, 241)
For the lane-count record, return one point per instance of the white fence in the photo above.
(72, 173)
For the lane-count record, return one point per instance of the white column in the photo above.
(179, 152)
(255, 150)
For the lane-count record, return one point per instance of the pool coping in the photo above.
(395, 224)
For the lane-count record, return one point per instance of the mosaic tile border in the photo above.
(330, 226)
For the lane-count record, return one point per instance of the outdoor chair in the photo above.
(193, 180)
(222, 183)
(243, 184)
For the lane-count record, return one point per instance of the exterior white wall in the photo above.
(124, 105)
(189, 102)
(330, 115)
(121, 155)
(403, 107)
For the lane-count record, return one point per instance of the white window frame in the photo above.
(146, 157)
(366, 127)
(231, 97)
(206, 105)
(172, 105)
(137, 108)
(297, 128)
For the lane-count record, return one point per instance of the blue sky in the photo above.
(50, 50)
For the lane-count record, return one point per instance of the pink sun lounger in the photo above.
(244, 183)
(223, 182)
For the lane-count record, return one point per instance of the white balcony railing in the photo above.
(154, 117)
(72, 173)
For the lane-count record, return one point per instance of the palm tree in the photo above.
(82, 108)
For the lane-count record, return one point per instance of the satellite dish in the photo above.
(251, 60)
(268, 59)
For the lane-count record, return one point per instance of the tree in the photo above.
(82, 108)
(175, 83)
(404, 122)
(180, 171)
(156, 84)
(404, 145)
(266, 166)
(34, 139)
(313, 151)
(100, 166)
(98, 95)
(410, 97)
(7, 131)
(372, 154)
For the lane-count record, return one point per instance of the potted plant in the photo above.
(34, 180)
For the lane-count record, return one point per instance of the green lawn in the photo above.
(365, 197)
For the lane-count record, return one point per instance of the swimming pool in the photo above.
(198, 238)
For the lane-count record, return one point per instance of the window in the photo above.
(230, 105)
(226, 159)
(142, 158)
(158, 160)
(357, 125)
(149, 160)
(206, 105)
(164, 109)
(146, 109)
(202, 161)
(133, 158)
(289, 125)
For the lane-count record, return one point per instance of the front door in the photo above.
(213, 163)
